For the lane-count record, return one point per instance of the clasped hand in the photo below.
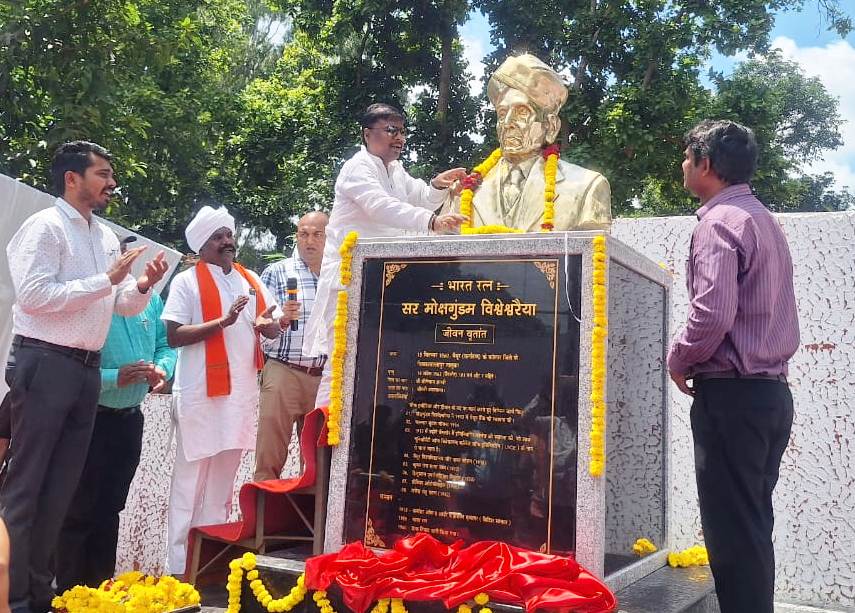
(142, 372)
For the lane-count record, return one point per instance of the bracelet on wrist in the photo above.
(220, 323)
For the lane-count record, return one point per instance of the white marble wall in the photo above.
(815, 497)
(636, 412)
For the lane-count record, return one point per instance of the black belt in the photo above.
(312, 371)
(735, 374)
(88, 358)
(114, 411)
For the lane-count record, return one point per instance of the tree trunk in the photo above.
(444, 84)
(359, 61)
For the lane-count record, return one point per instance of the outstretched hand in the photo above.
(266, 325)
(446, 179)
(154, 271)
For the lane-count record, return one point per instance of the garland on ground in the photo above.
(472, 181)
(599, 336)
(643, 547)
(693, 556)
(131, 592)
(246, 565)
(339, 342)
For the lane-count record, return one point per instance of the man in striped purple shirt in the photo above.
(741, 331)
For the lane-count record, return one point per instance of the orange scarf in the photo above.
(217, 374)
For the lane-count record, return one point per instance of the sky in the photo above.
(801, 37)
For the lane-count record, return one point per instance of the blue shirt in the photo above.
(288, 346)
(131, 339)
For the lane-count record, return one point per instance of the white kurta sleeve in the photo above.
(423, 194)
(179, 305)
(361, 185)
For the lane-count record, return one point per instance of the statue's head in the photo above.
(527, 95)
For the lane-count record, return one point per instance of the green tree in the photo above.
(794, 118)
(148, 80)
(634, 73)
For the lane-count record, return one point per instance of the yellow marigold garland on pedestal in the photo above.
(471, 182)
(339, 343)
(490, 230)
(599, 336)
(130, 592)
(693, 556)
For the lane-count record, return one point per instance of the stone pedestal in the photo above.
(467, 409)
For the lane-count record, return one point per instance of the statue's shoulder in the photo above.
(578, 174)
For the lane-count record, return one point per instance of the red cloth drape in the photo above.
(421, 568)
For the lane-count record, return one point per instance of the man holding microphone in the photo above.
(289, 381)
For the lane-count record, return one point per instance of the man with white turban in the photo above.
(527, 95)
(214, 314)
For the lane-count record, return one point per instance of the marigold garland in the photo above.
(339, 343)
(131, 592)
(490, 230)
(247, 564)
(472, 181)
(643, 547)
(599, 336)
(693, 556)
(550, 170)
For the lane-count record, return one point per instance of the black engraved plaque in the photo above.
(464, 420)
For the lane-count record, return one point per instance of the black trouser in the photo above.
(741, 428)
(53, 399)
(86, 551)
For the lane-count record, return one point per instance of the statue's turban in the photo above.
(532, 77)
(207, 221)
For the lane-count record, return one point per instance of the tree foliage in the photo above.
(255, 103)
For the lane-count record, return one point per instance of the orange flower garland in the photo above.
(599, 336)
(472, 181)
(339, 343)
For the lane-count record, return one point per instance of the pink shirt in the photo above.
(742, 312)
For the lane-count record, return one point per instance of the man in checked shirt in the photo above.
(289, 381)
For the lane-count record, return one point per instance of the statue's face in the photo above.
(519, 125)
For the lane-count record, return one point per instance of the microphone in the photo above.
(291, 286)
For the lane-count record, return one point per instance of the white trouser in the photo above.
(200, 495)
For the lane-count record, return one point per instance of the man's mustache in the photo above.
(225, 248)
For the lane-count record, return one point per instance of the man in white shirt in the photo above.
(374, 196)
(214, 313)
(69, 278)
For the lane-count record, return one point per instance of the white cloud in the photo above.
(834, 65)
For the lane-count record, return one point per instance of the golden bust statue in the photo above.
(527, 95)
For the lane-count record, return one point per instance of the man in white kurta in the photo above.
(374, 196)
(211, 432)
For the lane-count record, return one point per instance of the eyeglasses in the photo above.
(393, 131)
